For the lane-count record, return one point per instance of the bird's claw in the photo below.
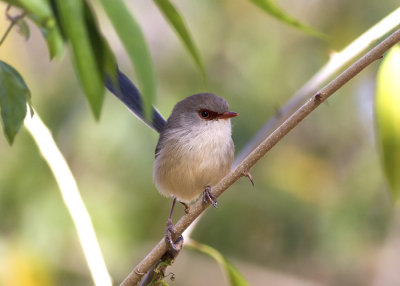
(248, 175)
(169, 232)
(187, 208)
(209, 197)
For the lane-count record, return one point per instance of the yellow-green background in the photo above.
(320, 212)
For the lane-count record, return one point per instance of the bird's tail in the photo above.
(129, 95)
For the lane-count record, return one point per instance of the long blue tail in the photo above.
(127, 92)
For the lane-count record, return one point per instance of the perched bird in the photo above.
(195, 149)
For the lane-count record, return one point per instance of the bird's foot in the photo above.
(169, 233)
(209, 197)
(248, 175)
(187, 208)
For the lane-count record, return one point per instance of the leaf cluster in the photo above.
(74, 22)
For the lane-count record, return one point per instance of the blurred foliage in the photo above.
(176, 20)
(234, 275)
(135, 44)
(73, 21)
(387, 113)
(319, 209)
(273, 9)
(14, 95)
(30, 267)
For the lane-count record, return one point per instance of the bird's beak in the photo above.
(227, 115)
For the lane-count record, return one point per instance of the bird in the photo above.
(195, 149)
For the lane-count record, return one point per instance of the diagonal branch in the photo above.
(376, 53)
(337, 62)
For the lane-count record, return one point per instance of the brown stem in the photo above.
(13, 19)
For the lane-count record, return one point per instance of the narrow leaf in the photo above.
(235, 277)
(175, 19)
(52, 32)
(133, 39)
(387, 115)
(41, 12)
(106, 61)
(274, 10)
(14, 95)
(74, 25)
(54, 39)
(39, 8)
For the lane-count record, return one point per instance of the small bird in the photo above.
(195, 148)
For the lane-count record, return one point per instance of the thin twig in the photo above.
(156, 253)
(14, 20)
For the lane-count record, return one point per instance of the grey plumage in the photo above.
(193, 152)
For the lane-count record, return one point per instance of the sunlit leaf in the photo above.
(274, 10)
(235, 277)
(175, 19)
(40, 8)
(387, 114)
(74, 25)
(133, 39)
(14, 95)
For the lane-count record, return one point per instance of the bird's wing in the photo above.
(127, 92)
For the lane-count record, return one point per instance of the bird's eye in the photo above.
(204, 113)
(207, 114)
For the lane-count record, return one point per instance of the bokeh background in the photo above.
(320, 212)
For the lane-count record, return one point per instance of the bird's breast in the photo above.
(194, 158)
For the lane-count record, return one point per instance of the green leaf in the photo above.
(175, 19)
(54, 39)
(235, 277)
(23, 28)
(14, 95)
(387, 115)
(40, 8)
(274, 10)
(107, 63)
(12, 2)
(74, 25)
(41, 12)
(133, 39)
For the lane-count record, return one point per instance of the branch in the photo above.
(156, 253)
(72, 198)
(14, 20)
(336, 63)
